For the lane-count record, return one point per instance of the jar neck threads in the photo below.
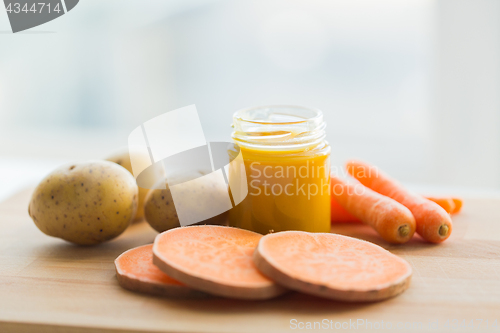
(278, 127)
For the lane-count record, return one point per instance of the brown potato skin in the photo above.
(85, 203)
(160, 213)
(122, 158)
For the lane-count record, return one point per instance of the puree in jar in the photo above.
(287, 166)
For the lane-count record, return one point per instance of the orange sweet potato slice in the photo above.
(332, 266)
(214, 259)
(135, 271)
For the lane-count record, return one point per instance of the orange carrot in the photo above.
(433, 222)
(447, 203)
(393, 221)
(452, 205)
(458, 205)
(332, 266)
(339, 214)
(135, 271)
(214, 259)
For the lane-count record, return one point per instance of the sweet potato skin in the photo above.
(210, 286)
(215, 288)
(137, 284)
(324, 291)
(157, 289)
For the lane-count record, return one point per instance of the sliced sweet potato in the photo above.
(214, 259)
(135, 271)
(332, 266)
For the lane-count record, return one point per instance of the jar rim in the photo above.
(317, 115)
(278, 127)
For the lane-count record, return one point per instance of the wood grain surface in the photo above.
(48, 285)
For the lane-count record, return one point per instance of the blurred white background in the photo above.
(412, 86)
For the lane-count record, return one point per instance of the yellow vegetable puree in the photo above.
(287, 166)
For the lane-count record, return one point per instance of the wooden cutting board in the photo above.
(48, 285)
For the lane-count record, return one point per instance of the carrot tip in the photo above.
(443, 230)
(404, 230)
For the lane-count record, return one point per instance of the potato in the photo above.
(160, 213)
(123, 158)
(85, 203)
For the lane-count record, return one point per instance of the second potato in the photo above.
(160, 213)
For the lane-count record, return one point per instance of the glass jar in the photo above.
(287, 165)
